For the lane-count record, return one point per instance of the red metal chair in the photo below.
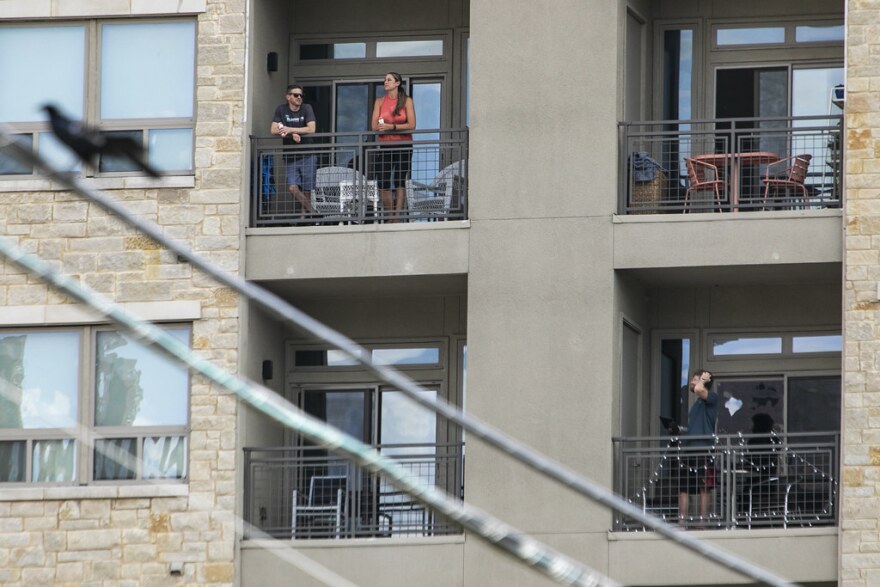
(703, 177)
(789, 175)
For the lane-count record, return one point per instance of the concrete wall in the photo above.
(540, 288)
(434, 562)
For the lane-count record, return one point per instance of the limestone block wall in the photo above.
(860, 513)
(127, 535)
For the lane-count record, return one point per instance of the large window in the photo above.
(90, 404)
(142, 84)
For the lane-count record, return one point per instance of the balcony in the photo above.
(781, 481)
(349, 169)
(730, 165)
(306, 493)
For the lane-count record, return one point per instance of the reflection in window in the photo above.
(771, 345)
(814, 404)
(750, 36)
(136, 385)
(164, 457)
(831, 343)
(171, 149)
(332, 51)
(32, 395)
(41, 65)
(407, 356)
(9, 165)
(741, 401)
(54, 461)
(119, 162)
(426, 160)
(818, 34)
(115, 459)
(12, 461)
(409, 48)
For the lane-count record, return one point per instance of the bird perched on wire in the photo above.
(90, 143)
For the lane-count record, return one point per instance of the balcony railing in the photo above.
(780, 481)
(743, 159)
(306, 493)
(352, 179)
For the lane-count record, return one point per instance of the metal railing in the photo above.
(749, 481)
(306, 493)
(351, 178)
(744, 153)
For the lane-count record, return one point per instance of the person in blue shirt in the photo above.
(697, 470)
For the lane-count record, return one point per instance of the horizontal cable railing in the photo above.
(308, 493)
(352, 178)
(730, 165)
(731, 481)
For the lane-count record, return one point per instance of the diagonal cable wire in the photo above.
(553, 564)
(505, 443)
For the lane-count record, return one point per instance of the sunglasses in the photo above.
(296, 95)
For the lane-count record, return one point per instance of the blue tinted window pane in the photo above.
(164, 457)
(407, 356)
(426, 160)
(349, 50)
(409, 48)
(817, 34)
(34, 396)
(136, 385)
(832, 343)
(40, 65)
(9, 165)
(751, 36)
(147, 70)
(54, 461)
(747, 346)
(56, 154)
(171, 149)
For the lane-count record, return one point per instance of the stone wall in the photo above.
(860, 512)
(127, 535)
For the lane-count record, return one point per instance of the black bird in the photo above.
(90, 143)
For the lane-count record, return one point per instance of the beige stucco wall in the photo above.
(128, 535)
(859, 562)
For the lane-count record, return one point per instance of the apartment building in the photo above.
(602, 198)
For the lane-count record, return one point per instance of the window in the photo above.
(723, 346)
(386, 354)
(323, 50)
(143, 85)
(750, 36)
(109, 409)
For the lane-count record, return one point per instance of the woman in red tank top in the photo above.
(392, 113)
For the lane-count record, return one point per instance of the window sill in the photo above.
(95, 492)
(100, 183)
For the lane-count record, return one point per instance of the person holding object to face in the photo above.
(698, 470)
(293, 122)
(393, 113)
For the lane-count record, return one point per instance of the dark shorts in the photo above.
(392, 165)
(695, 473)
(301, 171)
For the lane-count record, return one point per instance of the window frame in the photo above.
(91, 79)
(87, 433)
(371, 42)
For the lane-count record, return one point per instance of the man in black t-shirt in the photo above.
(294, 121)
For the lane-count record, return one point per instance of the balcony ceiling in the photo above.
(368, 287)
(728, 275)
